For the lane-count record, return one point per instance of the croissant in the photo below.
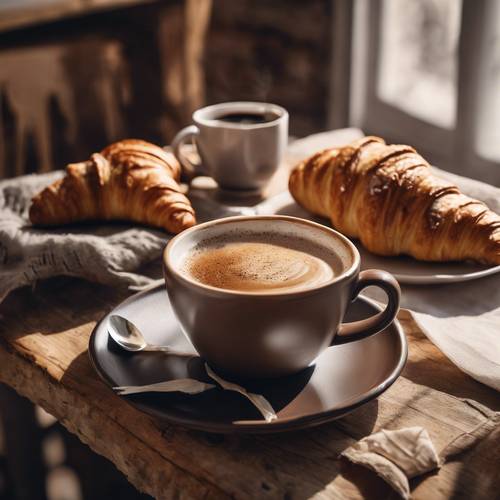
(129, 180)
(388, 198)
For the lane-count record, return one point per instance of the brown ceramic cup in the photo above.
(254, 335)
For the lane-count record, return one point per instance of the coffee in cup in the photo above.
(261, 262)
(263, 296)
(248, 118)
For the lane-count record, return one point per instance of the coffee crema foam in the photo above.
(263, 263)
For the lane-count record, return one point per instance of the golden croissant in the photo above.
(129, 180)
(387, 196)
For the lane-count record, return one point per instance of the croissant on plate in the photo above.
(387, 196)
(129, 180)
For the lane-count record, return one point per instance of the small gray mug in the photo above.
(241, 144)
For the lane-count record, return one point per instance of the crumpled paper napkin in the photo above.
(396, 456)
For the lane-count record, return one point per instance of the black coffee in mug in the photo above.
(240, 144)
(247, 118)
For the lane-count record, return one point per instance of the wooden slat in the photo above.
(22, 14)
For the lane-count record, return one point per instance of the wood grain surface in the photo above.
(43, 355)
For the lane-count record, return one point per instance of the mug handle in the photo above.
(355, 330)
(191, 169)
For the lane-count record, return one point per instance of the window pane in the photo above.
(418, 58)
(488, 131)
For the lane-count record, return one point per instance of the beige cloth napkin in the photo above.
(396, 456)
(462, 319)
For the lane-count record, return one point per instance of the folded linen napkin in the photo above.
(396, 456)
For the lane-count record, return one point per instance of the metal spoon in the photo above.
(128, 336)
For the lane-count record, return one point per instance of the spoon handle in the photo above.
(166, 349)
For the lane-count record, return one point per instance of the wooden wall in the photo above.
(278, 51)
(69, 87)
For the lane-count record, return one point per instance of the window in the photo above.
(427, 73)
(418, 70)
(488, 131)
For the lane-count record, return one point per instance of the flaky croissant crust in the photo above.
(129, 180)
(387, 196)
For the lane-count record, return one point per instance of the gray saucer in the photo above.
(343, 377)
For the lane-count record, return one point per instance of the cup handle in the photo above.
(363, 328)
(191, 169)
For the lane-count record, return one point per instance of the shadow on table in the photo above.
(478, 476)
(435, 371)
(446, 378)
(369, 484)
(56, 305)
(311, 454)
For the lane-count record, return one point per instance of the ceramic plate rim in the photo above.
(254, 426)
(422, 276)
(432, 279)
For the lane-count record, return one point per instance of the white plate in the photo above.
(414, 272)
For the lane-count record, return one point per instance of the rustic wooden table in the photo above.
(44, 335)
(43, 355)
